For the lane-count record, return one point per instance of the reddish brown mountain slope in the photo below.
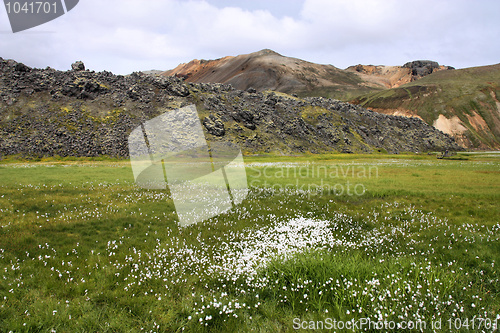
(267, 70)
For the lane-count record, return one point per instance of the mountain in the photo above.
(268, 70)
(395, 76)
(44, 112)
(464, 103)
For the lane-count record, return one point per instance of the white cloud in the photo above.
(129, 35)
(393, 31)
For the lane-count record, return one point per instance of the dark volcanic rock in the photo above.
(420, 68)
(214, 126)
(20, 67)
(78, 66)
(44, 112)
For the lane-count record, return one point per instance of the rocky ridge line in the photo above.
(44, 112)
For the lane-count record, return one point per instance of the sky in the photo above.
(123, 36)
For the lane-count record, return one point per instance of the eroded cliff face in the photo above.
(44, 112)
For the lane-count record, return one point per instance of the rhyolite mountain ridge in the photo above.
(463, 103)
(269, 70)
(45, 112)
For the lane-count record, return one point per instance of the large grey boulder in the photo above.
(78, 66)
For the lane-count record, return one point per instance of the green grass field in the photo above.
(373, 239)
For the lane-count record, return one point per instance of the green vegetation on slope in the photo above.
(346, 87)
(341, 92)
(471, 94)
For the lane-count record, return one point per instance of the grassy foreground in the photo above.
(320, 241)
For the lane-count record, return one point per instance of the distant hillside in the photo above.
(464, 103)
(395, 76)
(268, 70)
(44, 112)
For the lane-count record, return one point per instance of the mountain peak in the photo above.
(266, 52)
(262, 70)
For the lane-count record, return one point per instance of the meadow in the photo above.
(392, 242)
